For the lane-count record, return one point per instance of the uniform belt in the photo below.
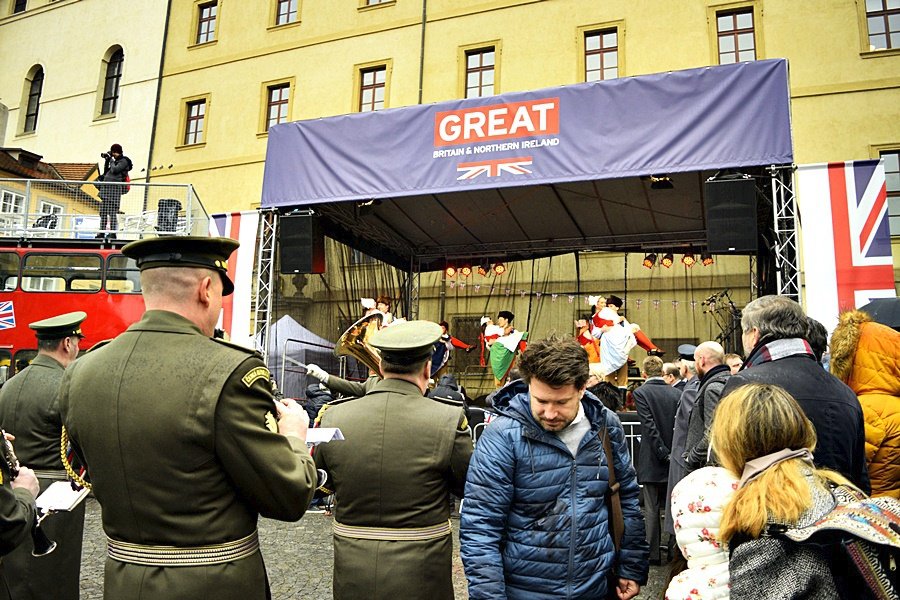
(392, 534)
(171, 556)
(54, 475)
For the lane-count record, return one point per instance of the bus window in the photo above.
(5, 359)
(61, 272)
(122, 275)
(23, 359)
(9, 271)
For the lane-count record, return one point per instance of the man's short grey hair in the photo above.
(690, 365)
(713, 351)
(776, 318)
(174, 283)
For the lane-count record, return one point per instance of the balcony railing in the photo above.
(40, 208)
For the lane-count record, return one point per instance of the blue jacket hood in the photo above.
(513, 401)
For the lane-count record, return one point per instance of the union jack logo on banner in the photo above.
(7, 315)
(493, 168)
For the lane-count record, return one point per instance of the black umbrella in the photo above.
(885, 311)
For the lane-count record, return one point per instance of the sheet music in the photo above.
(61, 497)
(321, 435)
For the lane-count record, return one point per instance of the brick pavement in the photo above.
(298, 559)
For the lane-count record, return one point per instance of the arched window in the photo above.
(111, 83)
(33, 105)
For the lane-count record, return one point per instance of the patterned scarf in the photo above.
(777, 349)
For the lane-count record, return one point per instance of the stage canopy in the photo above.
(536, 173)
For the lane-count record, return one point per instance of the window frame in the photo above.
(865, 49)
(358, 76)
(893, 217)
(198, 21)
(618, 27)
(463, 64)
(29, 115)
(276, 13)
(368, 4)
(265, 88)
(105, 78)
(19, 6)
(713, 12)
(60, 272)
(185, 118)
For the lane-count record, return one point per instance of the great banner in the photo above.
(719, 117)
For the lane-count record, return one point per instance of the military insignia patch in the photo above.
(254, 375)
(271, 422)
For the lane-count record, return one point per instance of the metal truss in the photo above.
(787, 263)
(265, 269)
(413, 285)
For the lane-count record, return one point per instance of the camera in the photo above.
(104, 155)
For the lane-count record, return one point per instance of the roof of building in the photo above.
(75, 171)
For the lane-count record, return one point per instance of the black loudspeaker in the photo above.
(731, 215)
(301, 245)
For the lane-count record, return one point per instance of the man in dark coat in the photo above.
(29, 410)
(709, 360)
(183, 441)
(17, 514)
(677, 468)
(392, 475)
(656, 403)
(774, 330)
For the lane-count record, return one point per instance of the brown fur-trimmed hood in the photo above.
(844, 341)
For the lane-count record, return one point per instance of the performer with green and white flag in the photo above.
(505, 347)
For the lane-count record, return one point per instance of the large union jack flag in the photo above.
(846, 236)
(7, 315)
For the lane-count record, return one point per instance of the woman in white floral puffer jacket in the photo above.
(697, 504)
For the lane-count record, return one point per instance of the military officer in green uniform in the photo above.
(17, 515)
(392, 476)
(29, 410)
(184, 444)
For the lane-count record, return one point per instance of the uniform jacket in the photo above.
(351, 389)
(866, 356)
(677, 468)
(402, 456)
(700, 421)
(828, 403)
(180, 440)
(535, 522)
(29, 409)
(656, 403)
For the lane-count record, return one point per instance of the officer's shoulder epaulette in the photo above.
(243, 349)
(99, 344)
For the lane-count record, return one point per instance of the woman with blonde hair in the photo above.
(795, 531)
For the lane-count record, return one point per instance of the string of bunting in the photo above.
(570, 298)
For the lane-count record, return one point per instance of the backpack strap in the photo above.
(613, 499)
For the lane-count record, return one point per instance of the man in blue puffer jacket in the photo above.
(535, 522)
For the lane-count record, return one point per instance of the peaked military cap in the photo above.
(185, 251)
(407, 342)
(686, 351)
(60, 326)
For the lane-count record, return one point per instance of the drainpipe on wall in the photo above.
(162, 61)
(422, 49)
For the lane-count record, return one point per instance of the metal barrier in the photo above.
(70, 209)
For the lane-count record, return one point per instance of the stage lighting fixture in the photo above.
(650, 260)
(450, 271)
(688, 259)
(481, 270)
(668, 260)
(707, 259)
(499, 269)
(465, 270)
(661, 182)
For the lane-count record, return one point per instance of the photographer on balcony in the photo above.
(115, 169)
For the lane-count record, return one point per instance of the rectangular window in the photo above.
(374, 2)
(601, 55)
(371, 89)
(193, 130)
(892, 179)
(277, 104)
(61, 272)
(286, 12)
(206, 23)
(11, 202)
(122, 275)
(735, 36)
(34, 101)
(480, 73)
(20, 6)
(9, 271)
(883, 22)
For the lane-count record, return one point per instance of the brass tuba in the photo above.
(355, 341)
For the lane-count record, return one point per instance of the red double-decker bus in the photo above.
(41, 278)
